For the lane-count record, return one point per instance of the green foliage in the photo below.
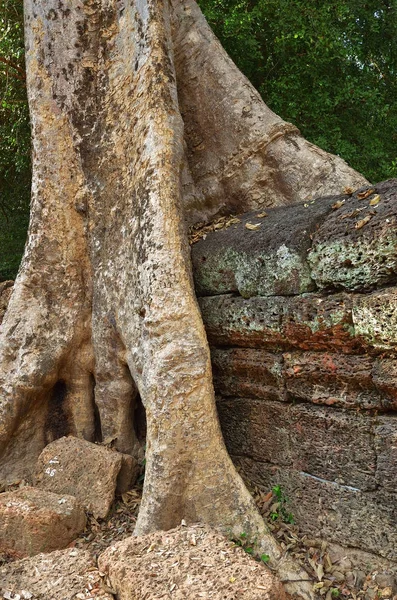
(14, 140)
(329, 67)
(249, 547)
(280, 507)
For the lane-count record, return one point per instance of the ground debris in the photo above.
(200, 230)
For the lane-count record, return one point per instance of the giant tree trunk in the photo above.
(141, 125)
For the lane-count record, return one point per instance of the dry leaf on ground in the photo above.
(253, 226)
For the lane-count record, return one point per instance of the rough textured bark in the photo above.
(141, 124)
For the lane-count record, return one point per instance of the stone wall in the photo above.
(301, 315)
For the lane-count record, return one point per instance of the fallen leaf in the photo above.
(261, 215)
(338, 204)
(363, 195)
(362, 222)
(348, 191)
(232, 579)
(353, 213)
(375, 200)
(253, 226)
(320, 572)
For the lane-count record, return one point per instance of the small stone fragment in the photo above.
(85, 470)
(33, 521)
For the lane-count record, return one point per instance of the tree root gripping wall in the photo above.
(302, 319)
(306, 370)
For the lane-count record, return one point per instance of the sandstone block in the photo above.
(332, 379)
(308, 322)
(355, 248)
(268, 261)
(384, 376)
(33, 521)
(85, 470)
(386, 449)
(333, 444)
(188, 562)
(62, 575)
(375, 318)
(327, 443)
(247, 373)
(256, 428)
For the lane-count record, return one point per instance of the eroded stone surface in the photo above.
(268, 261)
(343, 242)
(187, 562)
(352, 254)
(60, 575)
(248, 372)
(85, 470)
(334, 445)
(308, 322)
(375, 318)
(33, 521)
(332, 379)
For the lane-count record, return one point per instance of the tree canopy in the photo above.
(328, 67)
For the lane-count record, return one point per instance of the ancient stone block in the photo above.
(234, 321)
(333, 444)
(375, 318)
(327, 443)
(85, 470)
(332, 511)
(309, 322)
(332, 379)
(386, 449)
(60, 575)
(384, 376)
(191, 562)
(248, 373)
(33, 521)
(256, 428)
(355, 248)
(268, 261)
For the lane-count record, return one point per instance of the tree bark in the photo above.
(141, 125)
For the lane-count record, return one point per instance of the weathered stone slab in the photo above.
(308, 322)
(188, 562)
(353, 254)
(60, 575)
(375, 318)
(332, 379)
(332, 511)
(341, 242)
(248, 373)
(85, 470)
(33, 521)
(256, 428)
(384, 376)
(268, 261)
(386, 449)
(334, 445)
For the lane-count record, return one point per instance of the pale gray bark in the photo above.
(141, 123)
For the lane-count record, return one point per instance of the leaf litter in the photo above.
(334, 576)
